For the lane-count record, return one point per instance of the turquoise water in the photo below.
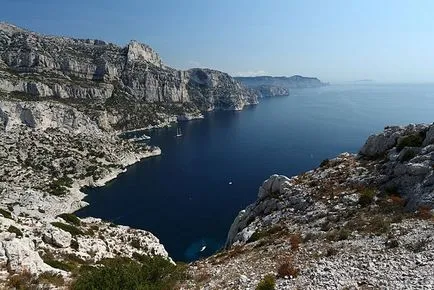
(184, 196)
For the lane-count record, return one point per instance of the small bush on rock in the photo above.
(366, 197)
(70, 218)
(424, 212)
(51, 278)
(22, 280)
(267, 283)
(295, 240)
(62, 265)
(74, 245)
(15, 230)
(414, 140)
(324, 163)
(68, 228)
(5, 213)
(407, 156)
(287, 269)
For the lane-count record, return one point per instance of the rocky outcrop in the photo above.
(407, 166)
(401, 161)
(110, 78)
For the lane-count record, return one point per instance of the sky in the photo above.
(334, 40)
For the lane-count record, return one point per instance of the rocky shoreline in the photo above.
(43, 168)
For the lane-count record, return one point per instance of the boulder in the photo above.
(22, 256)
(378, 144)
(57, 237)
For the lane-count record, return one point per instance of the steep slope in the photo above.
(131, 84)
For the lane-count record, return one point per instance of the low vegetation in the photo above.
(55, 263)
(265, 233)
(73, 230)
(15, 230)
(5, 213)
(295, 240)
(121, 273)
(70, 218)
(287, 269)
(366, 197)
(414, 140)
(267, 283)
(60, 186)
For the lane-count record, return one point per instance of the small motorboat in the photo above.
(178, 132)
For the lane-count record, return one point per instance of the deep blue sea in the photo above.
(184, 196)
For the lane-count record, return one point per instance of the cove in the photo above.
(184, 196)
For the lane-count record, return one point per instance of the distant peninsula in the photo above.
(293, 82)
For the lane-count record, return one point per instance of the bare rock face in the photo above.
(43, 115)
(21, 255)
(378, 144)
(124, 81)
(57, 237)
(142, 52)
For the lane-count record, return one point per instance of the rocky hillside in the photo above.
(294, 82)
(48, 151)
(130, 85)
(359, 221)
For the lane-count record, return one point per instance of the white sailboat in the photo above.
(178, 132)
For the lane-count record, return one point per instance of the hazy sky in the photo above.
(391, 41)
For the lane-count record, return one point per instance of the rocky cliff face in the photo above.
(111, 78)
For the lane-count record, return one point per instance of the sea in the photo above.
(189, 196)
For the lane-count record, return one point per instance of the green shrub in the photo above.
(21, 280)
(378, 225)
(58, 264)
(73, 230)
(74, 245)
(324, 163)
(366, 197)
(120, 273)
(135, 243)
(414, 140)
(70, 218)
(60, 186)
(408, 155)
(267, 283)
(51, 278)
(15, 230)
(6, 213)
(260, 234)
(338, 235)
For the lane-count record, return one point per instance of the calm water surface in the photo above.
(184, 196)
